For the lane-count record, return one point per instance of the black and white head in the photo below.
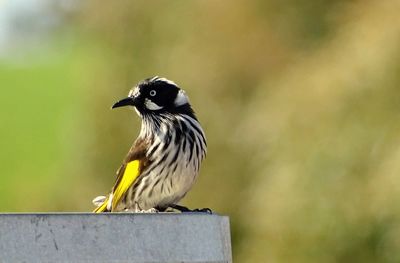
(157, 96)
(168, 121)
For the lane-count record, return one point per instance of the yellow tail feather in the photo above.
(102, 207)
(129, 175)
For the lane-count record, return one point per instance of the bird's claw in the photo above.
(202, 210)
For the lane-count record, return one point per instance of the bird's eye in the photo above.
(153, 93)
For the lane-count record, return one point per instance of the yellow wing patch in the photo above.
(130, 174)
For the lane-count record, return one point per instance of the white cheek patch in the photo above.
(181, 98)
(151, 105)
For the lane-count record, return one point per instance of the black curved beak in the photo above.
(124, 102)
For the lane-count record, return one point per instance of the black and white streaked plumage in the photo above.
(165, 159)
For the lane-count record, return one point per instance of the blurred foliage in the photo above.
(300, 102)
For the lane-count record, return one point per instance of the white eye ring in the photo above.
(153, 93)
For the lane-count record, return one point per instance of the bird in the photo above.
(164, 161)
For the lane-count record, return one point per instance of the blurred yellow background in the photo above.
(300, 101)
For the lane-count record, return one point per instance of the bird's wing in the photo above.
(130, 170)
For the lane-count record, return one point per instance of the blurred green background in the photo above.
(300, 101)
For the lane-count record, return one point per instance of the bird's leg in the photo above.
(184, 209)
(180, 208)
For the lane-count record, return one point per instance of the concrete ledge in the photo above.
(117, 237)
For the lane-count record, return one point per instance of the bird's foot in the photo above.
(184, 209)
(151, 210)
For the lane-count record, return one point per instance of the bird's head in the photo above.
(156, 96)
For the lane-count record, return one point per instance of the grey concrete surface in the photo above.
(117, 237)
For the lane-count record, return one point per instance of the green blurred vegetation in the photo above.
(300, 102)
